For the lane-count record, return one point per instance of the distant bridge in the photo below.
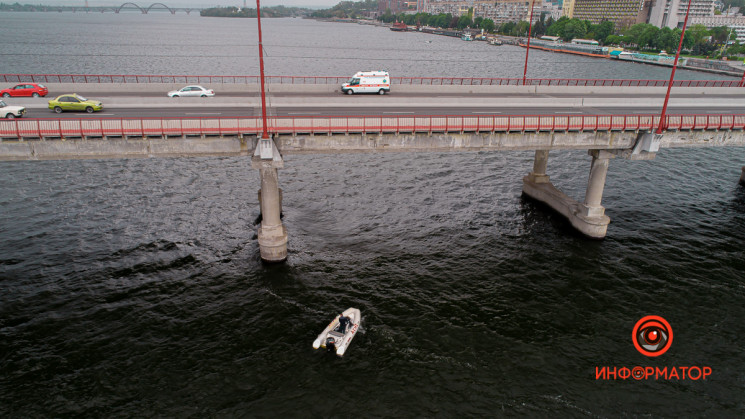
(128, 6)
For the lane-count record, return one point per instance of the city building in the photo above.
(568, 8)
(454, 7)
(500, 11)
(672, 13)
(735, 23)
(395, 6)
(623, 13)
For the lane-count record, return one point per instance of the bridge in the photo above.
(609, 119)
(128, 6)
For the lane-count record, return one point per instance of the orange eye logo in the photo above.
(652, 336)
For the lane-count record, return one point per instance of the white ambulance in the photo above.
(368, 82)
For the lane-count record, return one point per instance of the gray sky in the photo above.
(181, 3)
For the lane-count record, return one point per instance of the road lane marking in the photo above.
(303, 113)
(400, 112)
(204, 113)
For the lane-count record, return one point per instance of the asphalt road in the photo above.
(156, 105)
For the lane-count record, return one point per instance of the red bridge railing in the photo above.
(128, 127)
(438, 81)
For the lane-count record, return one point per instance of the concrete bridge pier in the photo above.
(588, 217)
(272, 234)
(742, 176)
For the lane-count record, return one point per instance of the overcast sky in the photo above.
(318, 4)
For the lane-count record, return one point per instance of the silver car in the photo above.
(191, 91)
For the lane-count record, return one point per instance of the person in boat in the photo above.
(344, 323)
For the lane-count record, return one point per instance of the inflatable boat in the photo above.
(336, 336)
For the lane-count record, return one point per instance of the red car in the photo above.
(27, 89)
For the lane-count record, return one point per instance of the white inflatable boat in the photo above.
(333, 337)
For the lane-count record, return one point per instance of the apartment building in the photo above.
(503, 11)
(454, 7)
(621, 12)
(671, 13)
(735, 23)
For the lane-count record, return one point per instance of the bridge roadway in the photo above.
(489, 126)
(134, 101)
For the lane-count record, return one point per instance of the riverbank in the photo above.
(720, 67)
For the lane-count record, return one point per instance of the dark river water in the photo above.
(133, 288)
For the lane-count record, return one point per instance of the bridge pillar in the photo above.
(742, 176)
(589, 217)
(272, 234)
(538, 175)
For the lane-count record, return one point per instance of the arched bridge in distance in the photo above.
(128, 6)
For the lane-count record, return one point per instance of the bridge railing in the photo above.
(204, 126)
(438, 81)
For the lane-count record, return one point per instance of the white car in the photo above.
(10, 112)
(191, 91)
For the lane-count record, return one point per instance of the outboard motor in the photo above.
(330, 344)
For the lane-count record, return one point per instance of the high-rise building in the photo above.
(671, 13)
(621, 12)
(568, 8)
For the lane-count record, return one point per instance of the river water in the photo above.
(133, 288)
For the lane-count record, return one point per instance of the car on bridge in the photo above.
(191, 91)
(25, 89)
(74, 102)
(10, 112)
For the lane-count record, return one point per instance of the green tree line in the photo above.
(276, 11)
(698, 40)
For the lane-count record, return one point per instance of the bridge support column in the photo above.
(589, 217)
(272, 234)
(742, 176)
(538, 175)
